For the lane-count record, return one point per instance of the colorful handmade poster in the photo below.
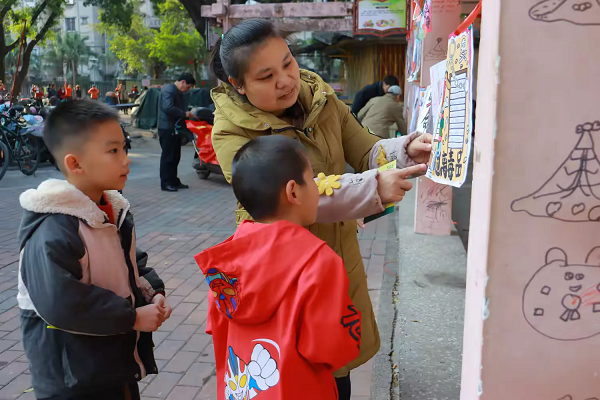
(452, 138)
(414, 50)
(427, 16)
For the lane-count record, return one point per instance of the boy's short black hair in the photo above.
(71, 121)
(391, 80)
(187, 78)
(262, 168)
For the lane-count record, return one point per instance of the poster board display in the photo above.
(452, 138)
(379, 17)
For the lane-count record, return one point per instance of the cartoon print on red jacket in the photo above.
(245, 381)
(224, 289)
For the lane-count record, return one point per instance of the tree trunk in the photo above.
(26, 58)
(196, 76)
(193, 8)
(74, 66)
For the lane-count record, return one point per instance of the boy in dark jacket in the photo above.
(279, 310)
(88, 303)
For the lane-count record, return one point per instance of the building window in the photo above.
(84, 20)
(70, 24)
(70, 2)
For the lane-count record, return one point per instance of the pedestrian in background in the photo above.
(374, 90)
(93, 92)
(382, 112)
(78, 91)
(68, 91)
(171, 109)
(263, 92)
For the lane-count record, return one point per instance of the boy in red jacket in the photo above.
(280, 314)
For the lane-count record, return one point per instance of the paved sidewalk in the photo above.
(172, 227)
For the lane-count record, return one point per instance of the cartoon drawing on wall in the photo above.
(578, 12)
(572, 194)
(437, 53)
(569, 397)
(246, 381)
(562, 300)
(435, 200)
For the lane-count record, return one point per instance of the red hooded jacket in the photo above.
(279, 312)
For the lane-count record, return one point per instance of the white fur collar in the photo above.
(56, 196)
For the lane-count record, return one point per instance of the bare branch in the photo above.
(39, 9)
(12, 46)
(6, 8)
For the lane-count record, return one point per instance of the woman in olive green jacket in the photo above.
(264, 92)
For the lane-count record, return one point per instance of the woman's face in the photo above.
(272, 80)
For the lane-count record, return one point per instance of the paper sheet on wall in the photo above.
(452, 140)
(437, 74)
(424, 112)
(417, 100)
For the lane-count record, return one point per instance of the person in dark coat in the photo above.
(171, 108)
(368, 92)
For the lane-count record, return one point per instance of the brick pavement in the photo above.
(172, 227)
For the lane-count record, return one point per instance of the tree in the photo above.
(38, 19)
(177, 43)
(67, 52)
(133, 46)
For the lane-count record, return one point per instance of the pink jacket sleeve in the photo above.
(394, 149)
(356, 198)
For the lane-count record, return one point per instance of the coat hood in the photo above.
(251, 272)
(236, 109)
(55, 196)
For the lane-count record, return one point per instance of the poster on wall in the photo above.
(379, 17)
(424, 119)
(452, 138)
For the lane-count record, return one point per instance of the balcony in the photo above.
(152, 22)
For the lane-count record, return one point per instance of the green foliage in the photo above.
(132, 47)
(119, 13)
(149, 51)
(33, 17)
(67, 51)
(177, 43)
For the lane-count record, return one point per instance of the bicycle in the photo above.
(21, 146)
(4, 159)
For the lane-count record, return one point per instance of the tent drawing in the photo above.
(437, 53)
(578, 12)
(572, 194)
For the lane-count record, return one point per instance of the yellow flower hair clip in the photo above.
(381, 156)
(326, 184)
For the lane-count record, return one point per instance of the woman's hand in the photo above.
(392, 185)
(420, 148)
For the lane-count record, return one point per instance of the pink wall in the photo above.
(535, 206)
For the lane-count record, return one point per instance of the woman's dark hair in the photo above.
(262, 168)
(232, 51)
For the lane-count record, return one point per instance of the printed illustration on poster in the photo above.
(452, 138)
(379, 17)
